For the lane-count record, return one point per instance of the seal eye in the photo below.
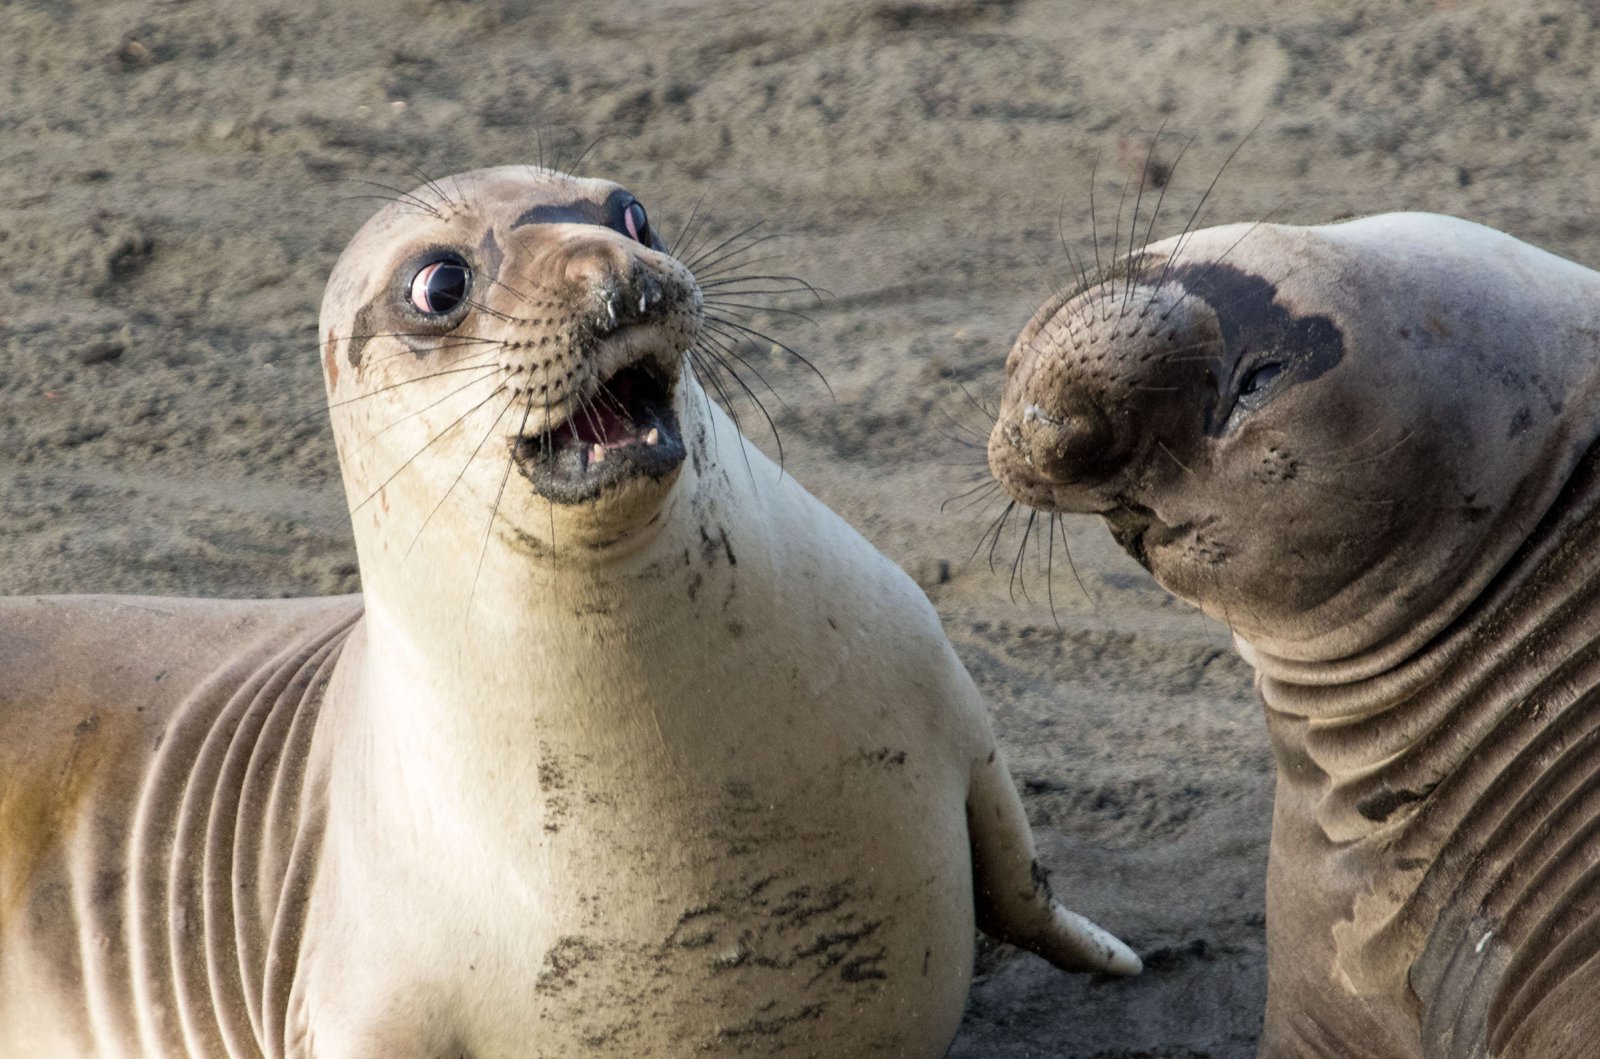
(636, 222)
(440, 286)
(1258, 379)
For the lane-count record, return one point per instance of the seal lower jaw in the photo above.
(1139, 530)
(626, 432)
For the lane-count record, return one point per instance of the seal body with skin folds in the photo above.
(629, 748)
(1370, 448)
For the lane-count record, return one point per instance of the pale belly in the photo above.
(834, 921)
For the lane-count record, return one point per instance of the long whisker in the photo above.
(796, 284)
(1066, 550)
(702, 255)
(494, 511)
(754, 333)
(1189, 226)
(982, 491)
(734, 308)
(429, 444)
(708, 368)
(459, 475)
(1133, 228)
(727, 342)
(993, 532)
(708, 263)
(394, 195)
(408, 382)
(375, 435)
(431, 184)
(762, 408)
(1017, 565)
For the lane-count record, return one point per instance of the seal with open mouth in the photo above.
(629, 748)
(1371, 449)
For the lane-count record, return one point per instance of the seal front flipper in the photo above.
(1011, 892)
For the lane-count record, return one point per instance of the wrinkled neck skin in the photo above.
(1439, 805)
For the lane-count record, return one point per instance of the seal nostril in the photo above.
(1071, 446)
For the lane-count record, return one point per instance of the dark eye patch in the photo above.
(1251, 318)
(606, 213)
(619, 211)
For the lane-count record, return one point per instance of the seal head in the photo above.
(539, 316)
(1309, 458)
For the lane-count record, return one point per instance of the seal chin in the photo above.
(627, 431)
(1140, 531)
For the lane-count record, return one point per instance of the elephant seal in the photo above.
(629, 748)
(1370, 448)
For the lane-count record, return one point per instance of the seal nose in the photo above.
(1074, 445)
(624, 290)
(634, 298)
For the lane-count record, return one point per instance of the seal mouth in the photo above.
(624, 431)
(1137, 529)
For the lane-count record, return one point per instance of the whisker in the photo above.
(734, 267)
(494, 510)
(578, 161)
(408, 382)
(704, 358)
(375, 435)
(796, 284)
(1171, 171)
(394, 195)
(431, 184)
(720, 305)
(700, 256)
(1189, 225)
(1170, 455)
(1133, 228)
(1017, 564)
(1066, 550)
(686, 234)
(496, 313)
(993, 532)
(727, 341)
(982, 491)
(754, 333)
(501, 283)
(1094, 228)
(429, 444)
(708, 263)
(459, 475)
(771, 426)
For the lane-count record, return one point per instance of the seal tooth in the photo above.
(653, 437)
(597, 453)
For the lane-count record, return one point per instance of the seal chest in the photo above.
(1370, 448)
(629, 748)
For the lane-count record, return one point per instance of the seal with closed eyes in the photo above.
(1371, 448)
(629, 748)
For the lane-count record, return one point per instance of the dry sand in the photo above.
(176, 179)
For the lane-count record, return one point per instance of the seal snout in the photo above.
(1070, 446)
(636, 310)
(1095, 384)
(622, 290)
(1064, 426)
